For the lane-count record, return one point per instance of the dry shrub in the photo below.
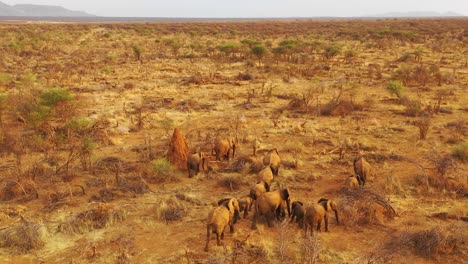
(24, 237)
(423, 123)
(365, 206)
(170, 210)
(13, 190)
(431, 243)
(245, 165)
(233, 183)
(310, 249)
(393, 185)
(190, 199)
(103, 216)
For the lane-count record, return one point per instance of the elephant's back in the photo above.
(219, 215)
(265, 175)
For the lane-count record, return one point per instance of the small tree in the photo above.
(137, 52)
(259, 51)
(396, 88)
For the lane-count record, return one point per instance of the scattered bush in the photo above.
(423, 124)
(53, 97)
(365, 206)
(396, 88)
(101, 217)
(233, 183)
(161, 170)
(24, 237)
(461, 151)
(170, 210)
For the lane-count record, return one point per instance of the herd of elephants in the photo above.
(270, 204)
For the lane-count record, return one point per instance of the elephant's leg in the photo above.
(292, 218)
(326, 223)
(218, 241)
(254, 219)
(208, 231)
(231, 227)
(246, 213)
(319, 224)
(269, 218)
(228, 153)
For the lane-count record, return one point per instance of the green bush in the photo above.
(461, 151)
(137, 52)
(5, 79)
(331, 51)
(161, 170)
(396, 88)
(52, 97)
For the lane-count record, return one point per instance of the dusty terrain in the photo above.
(88, 110)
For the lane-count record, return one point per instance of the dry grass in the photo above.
(101, 217)
(23, 238)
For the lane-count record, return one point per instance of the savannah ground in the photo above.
(87, 114)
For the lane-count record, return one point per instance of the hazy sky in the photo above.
(251, 8)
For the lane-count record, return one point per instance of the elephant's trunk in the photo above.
(336, 216)
(288, 207)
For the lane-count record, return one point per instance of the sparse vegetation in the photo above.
(88, 110)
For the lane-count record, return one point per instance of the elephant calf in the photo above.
(315, 214)
(351, 182)
(362, 169)
(220, 217)
(269, 205)
(195, 163)
(297, 211)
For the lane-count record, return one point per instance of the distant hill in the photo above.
(419, 14)
(39, 11)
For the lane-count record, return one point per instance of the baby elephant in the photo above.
(351, 182)
(297, 211)
(220, 217)
(316, 213)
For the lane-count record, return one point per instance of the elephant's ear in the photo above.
(326, 205)
(322, 200)
(300, 203)
(230, 205)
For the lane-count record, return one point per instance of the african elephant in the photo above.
(269, 204)
(266, 175)
(223, 147)
(362, 169)
(220, 217)
(259, 189)
(195, 163)
(297, 211)
(273, 160)
(351, 182)
(316, 213)
(245, 204)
